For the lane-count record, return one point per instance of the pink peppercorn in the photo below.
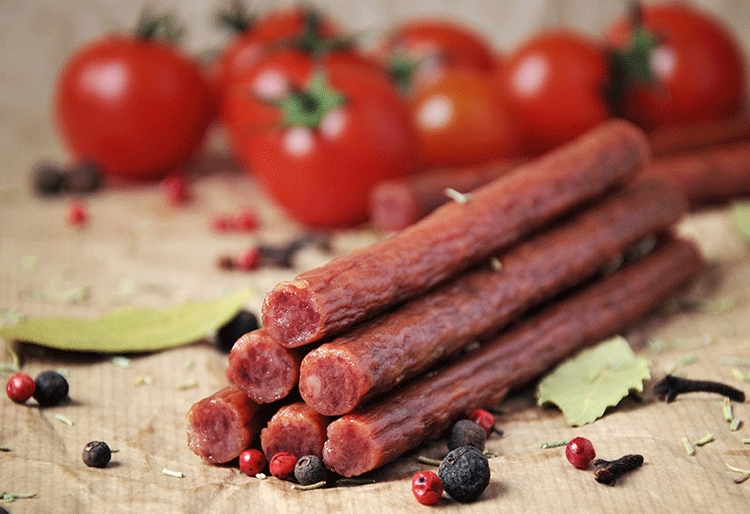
(252, 461)
(248, 259)
(76, 213)
(246, 220)
(483, 418)
(20, 387)
(426, 487)
(579, 452)
(282, 465)
(174, 189)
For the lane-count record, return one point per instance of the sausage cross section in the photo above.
(371, 437)
(296, 429)
(381, 353)
(332, 298)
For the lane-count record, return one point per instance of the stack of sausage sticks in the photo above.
(389, 345)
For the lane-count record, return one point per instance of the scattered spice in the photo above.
(76, 213)
(173, 474)
(735, 424)
(355, 481)
(30, 262)
(745, 473)
(309, 487)
(122, 362)
(727, 411)
(457, 196)
(484, 419)
(746, 440)
(683, 361)
(96, 454)
(552, 444)
(579, 452)
(174, 189)
(252, 461)
(20, 387)
(426, 487)
(225, 262)
(144, 379)
(85, 177)
(496, 264)
(671, 386)
(427, 460)
(5, 449)
(63, 419)
(607, 472)
(689, 449)
(189, 364)
(739, 376)
(465, 474)
(282, 465)
(10, 497)
(467, 433)
(248, 259)
(51, 388)
(48, 179)
(704, 440)
(310, 471)
(187, 385)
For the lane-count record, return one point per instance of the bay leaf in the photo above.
(131, 329)
(594, 379)
(741, 218)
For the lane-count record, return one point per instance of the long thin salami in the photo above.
(381, 353)
(329, 299)
(716, 174)
(262, 368)
(396, 204)
(368, 438)
(222, 425)
(296, 429)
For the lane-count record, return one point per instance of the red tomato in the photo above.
(449, 42)
(279, 25)
(697, 65)
(555, 84)
(137, 107)
(460, 119)
(320, 170)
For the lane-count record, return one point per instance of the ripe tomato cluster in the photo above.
(319, 121)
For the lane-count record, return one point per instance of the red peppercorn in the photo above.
(282, 465)
(246, 220)
(175, 190)
(248, 259)
(221, 223)
(252, 461)
(579, 452)
(20, 387)
(76, 214)
(483, 418)
(426, 487)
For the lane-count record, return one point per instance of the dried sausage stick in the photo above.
(381, 353)
(689, 138)
(332, 298)
(713, 175)
(295, 428)
(368, 438)
(221, 426)
(396, 204)
(262, 368)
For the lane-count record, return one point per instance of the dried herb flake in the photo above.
(131, 329)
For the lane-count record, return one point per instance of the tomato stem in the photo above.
(162, 26)
(236, 17)
(307, 107)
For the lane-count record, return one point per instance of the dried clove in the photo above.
(671, 386)
(608, 471)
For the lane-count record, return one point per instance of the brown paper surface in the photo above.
(136, 250)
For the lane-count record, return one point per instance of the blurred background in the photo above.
(37, 35)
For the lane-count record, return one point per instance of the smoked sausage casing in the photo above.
(381, 353)
(262, 368)
(373, 436)
(221, 426)
(332, 298)
(296, 429)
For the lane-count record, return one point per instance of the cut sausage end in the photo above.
(220, 427)
(263, 369)
(296, 429)
(330, 382)
(290, 315)
(349, 450)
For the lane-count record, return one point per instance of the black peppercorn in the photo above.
(310, 470)
(465, 473)
(235, 328)
(96, 454)
(467, 433)
(51, 388)
(48, 179)
(86, 177)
